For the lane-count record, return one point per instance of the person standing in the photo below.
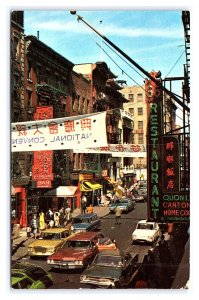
(149, 265)
(98, 200)
(118, 214)
(49, 216)
(41, 220)
(84, 204)
(35, 225)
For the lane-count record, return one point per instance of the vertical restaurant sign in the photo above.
(60, 134)
(154, 160)
(42, 171)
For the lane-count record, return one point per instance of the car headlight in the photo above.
(78, 262)
(51, 249)
(50, 261)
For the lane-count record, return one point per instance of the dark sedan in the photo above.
(110, 269)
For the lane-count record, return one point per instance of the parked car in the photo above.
(146, 231)
(49, 242)
(85, 222)
(29, 276)
(125, 204)
(78, 251)
(110, 269)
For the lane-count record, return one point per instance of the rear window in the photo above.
(145, 226)
(78, 244)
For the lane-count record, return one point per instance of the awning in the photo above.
(87, 186)
(62, 191)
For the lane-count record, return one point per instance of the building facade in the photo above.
(137, 107)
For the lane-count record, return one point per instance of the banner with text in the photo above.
(59, 134)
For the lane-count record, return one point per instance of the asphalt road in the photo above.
(69, 279)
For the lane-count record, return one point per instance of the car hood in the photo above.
(45, 243)
(144, 232)
(70, 254)
(103, 272)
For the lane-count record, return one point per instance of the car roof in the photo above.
(145, 221)
(54, 230)
(24, 267)
(83, 236)
(114, 252)
(86, 215)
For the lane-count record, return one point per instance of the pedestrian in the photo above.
(35, 225)
(67, 215)
(49, 216)
(41, 220)
(56, 218)
(89, 209)
(118, 214)
(84, 203)
(98, 200)
(149, 265)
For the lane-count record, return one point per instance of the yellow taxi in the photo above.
(50, 241)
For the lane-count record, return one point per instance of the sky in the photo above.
(152, 38)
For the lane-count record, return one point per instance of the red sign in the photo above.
(43, 183)
(42, 167)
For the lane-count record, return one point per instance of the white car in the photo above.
(146, 231)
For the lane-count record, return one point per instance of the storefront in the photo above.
(64, 196)
(91, 190)
(18, 206)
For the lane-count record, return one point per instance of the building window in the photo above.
(131, 110)
(140, 124)
(140, 111)
(16, 47)
(140, 97)
(140, 138)
(131, 97)
(38, 73)
(29, 75)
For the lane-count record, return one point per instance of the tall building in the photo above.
(137, 107)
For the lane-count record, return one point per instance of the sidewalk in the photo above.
(20, 243)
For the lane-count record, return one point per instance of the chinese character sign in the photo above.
(60, 134)
(170, 165)
(42, 171)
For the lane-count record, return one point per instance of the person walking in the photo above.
(149, 265)
(118, 214)
(49, 216)
(56, 218)
(98, 200)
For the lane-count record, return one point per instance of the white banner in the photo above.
(117, 150)
(60, 134)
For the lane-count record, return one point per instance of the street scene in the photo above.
(100, 166)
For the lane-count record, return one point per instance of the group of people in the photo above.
(49, 219)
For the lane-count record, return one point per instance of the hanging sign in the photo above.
(60, 134)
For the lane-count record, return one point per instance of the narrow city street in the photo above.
(67, 279)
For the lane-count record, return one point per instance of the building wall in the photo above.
(137, 102)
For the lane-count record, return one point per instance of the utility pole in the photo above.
(79, 18)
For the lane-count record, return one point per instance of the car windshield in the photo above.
(77, 244)
(108, 260)
(80, 220)
(50, 236)
(145, 226)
